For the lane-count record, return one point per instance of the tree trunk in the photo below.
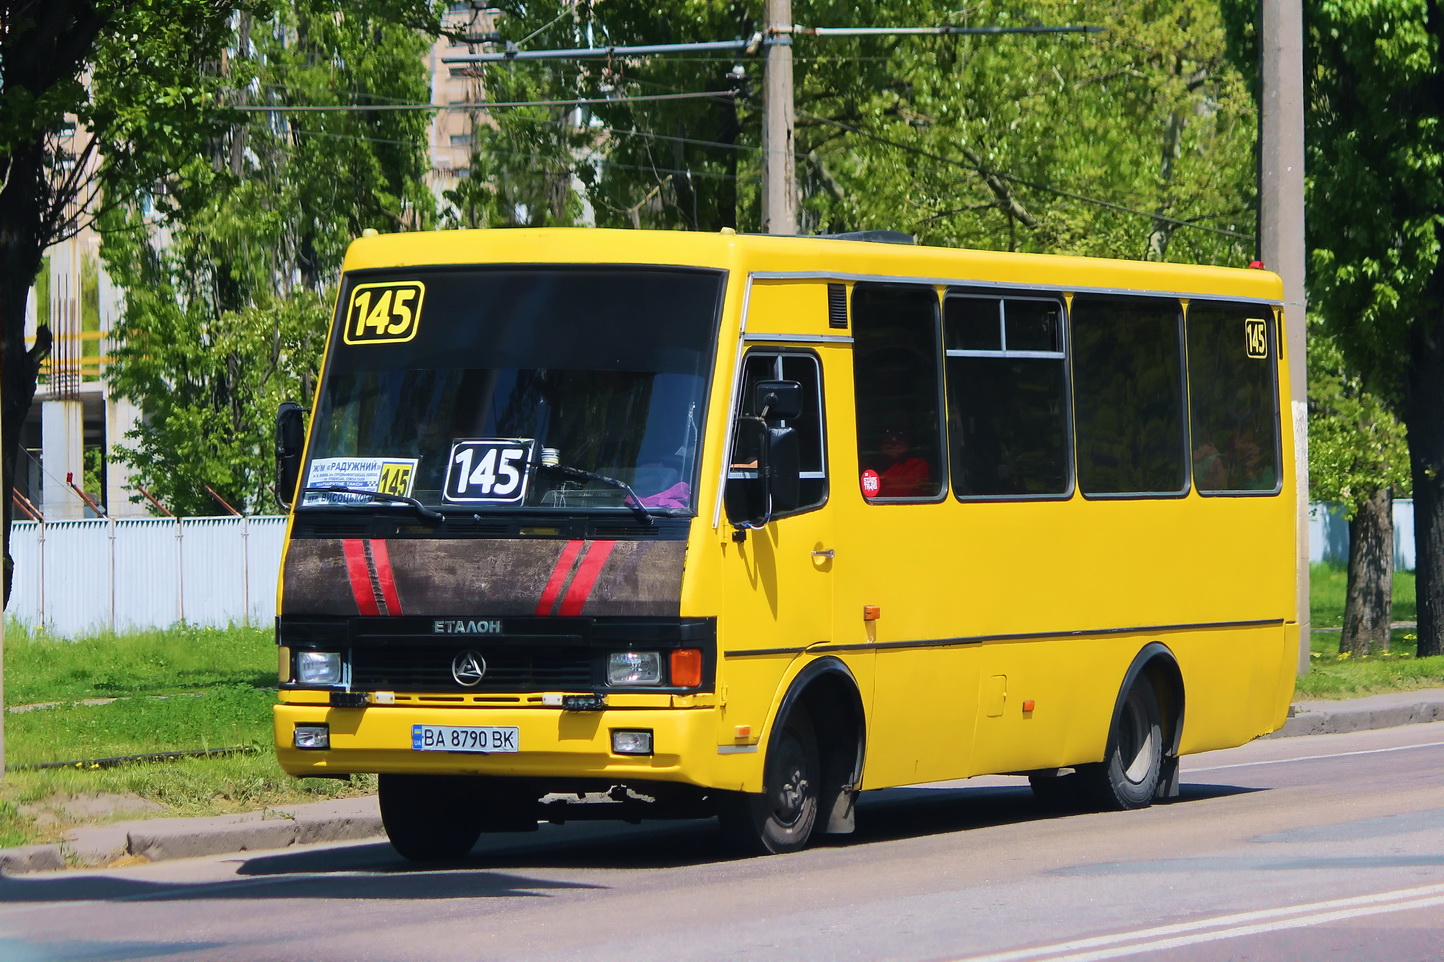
(21, 246)
(1368, 604)
(1423, 417)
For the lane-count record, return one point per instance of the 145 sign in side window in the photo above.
(491, 470)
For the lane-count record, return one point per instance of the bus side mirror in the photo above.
(777, 400)
(290, 441)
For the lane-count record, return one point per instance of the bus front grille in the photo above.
(429, 668)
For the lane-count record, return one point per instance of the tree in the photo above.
(46, 48)
(1376, 233)
(228, 263)
(1358, 458)
(994, 142)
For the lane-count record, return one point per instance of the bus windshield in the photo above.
(547, 389)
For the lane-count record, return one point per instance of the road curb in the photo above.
(354, 819)
(162, 839)
(1362, 714)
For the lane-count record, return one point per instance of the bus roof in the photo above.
(770, 255)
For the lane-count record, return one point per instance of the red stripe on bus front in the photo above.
(385, 578)
(587, 573)
(559, 577)
(360, 575)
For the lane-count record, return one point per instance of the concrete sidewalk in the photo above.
(155, 839)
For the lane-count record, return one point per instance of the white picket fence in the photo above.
(76, 577)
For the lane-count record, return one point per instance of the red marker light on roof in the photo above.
(1255, 265)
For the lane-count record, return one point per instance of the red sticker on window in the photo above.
(871, 483)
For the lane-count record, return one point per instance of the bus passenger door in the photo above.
(778, 577)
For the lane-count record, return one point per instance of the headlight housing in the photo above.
(318, 667)
(634, 668)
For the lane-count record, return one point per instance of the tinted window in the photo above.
(1233, 398)
(895, 372)
(1128, 395)
(1007, 405)
(606, 369)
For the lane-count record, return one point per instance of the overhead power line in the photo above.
(750, 46)
(482, 105)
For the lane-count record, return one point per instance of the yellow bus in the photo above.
(632, 524)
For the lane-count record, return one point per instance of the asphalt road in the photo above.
(1326, 847)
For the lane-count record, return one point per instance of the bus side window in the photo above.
(1007, 395)
(1128, 395)
(895, 361)
(1233, 398)
(743, 494)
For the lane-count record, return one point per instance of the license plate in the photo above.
(454, 738)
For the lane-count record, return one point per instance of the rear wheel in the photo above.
(780, 819)
(1128, 776)
(431, 818)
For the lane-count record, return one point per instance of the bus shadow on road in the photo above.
(882, 816)
(899, 813)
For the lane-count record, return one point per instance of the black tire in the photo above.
(1056, 793)
(782, 817)
(430, 818)
(1128, 776)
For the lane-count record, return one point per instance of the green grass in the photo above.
(1328, 584)
(186, 689)
(39, 668)
(1332, 675)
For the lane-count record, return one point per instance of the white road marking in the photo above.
(1314, 758)
(1220, 927)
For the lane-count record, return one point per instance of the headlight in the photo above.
(318, 667)
(634, 668)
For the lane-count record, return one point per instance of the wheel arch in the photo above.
(1156, 660)
(828, 692)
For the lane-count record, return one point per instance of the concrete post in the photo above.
(779, 177)
(1281, 234)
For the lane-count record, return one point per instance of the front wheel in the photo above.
(1128, 775)
(431, 818)
(781, 819)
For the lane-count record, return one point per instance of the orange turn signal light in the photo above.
(687, 667)
(871, 612)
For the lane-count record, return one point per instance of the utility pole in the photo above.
(1281, 237)
(779, 179)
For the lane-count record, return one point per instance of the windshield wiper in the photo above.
(632, 502)
(427, 514)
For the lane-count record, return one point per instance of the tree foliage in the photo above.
(1375, 156)
(1356, 445)
(1103, 143)
(51, 166)
(228, 262)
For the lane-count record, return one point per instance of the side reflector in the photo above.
(687, 667)
(1028, 705)
(871, 612)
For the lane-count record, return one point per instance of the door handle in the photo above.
(823, 553)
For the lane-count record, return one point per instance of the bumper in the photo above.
(552, 743)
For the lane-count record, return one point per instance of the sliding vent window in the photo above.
(744, 493)
(1128, 396)
(1007, 394)
(1233, 398)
